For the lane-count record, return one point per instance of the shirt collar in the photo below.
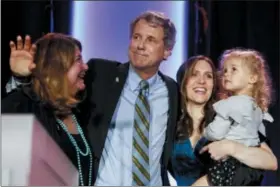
(134, 80)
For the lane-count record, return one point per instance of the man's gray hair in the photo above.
(158, 19)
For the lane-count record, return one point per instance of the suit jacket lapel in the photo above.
(116, 84)
(118, 80)
(172, 117)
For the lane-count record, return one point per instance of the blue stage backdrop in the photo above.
(103, 28)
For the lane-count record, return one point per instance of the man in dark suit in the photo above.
(113, 89)
(131, 109)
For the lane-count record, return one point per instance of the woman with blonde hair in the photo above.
(56, 89)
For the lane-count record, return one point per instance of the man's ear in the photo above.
(167, 53)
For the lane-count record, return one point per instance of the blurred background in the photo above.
(204, 27)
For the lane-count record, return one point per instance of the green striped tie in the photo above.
(140, 152)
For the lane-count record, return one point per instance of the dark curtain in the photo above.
(248, 24)
(20, 18)
(62, 16)
(34, 18)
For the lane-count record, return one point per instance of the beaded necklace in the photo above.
(79, 152)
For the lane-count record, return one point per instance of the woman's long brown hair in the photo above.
(185, 125)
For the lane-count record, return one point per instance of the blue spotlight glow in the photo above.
(103, 28)
(178, 16)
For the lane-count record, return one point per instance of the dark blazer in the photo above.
(104, 82)
(24, 101)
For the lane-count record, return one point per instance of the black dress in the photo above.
(70, 151)
(25, 101)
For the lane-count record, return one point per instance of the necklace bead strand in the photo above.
(78, 149)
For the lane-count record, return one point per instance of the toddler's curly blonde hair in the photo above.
(254, 60)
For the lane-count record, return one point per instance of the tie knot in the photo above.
(144, 85)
